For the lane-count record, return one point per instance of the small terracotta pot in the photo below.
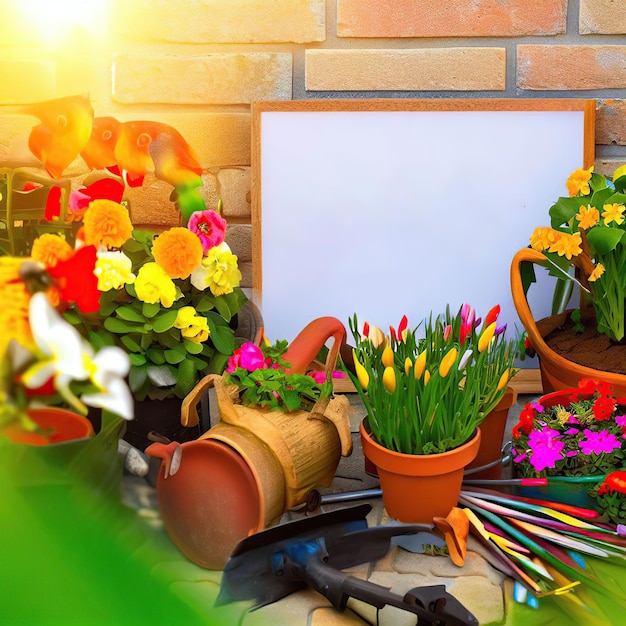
(492, 437)
(418, 487)
(56, 425)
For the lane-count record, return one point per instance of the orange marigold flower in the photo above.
(49, 249)
(107, 223)
(178, 251)
(578, 182)
(567, 245)
(588, 216)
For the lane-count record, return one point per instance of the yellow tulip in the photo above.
(426, 377)
(376, 336)
(387, 357)
(389, 379)
(504, 379)
(408, 365)
(486, 337)
(420, 365)
(361, 372)
(447, 362)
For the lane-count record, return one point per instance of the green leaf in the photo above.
(129, 314)
(192, 347)
(130, 344)
(603, 239)
(165, 321)
(223, 338)
(291, 399)
(137, 377)
(72, 317)
(223, 308)
(156, 356)
(564, 209)
(173, 356)
(205, 303)
(150, 309)
(170, 339)
(121, 327)
(161, 376)
(186, 378)
(137, 359)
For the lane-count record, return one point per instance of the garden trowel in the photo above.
(272, 564)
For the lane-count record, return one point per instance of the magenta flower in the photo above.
(210, 228)
(599, 442)
(620, 420)
(546, 448)
(249, 356)
(320, 377)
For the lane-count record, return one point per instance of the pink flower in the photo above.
(210, 228)
(598, 442)
(447, 332)
(546, 448)
(620, 420)
(249, 356)
(320, 377)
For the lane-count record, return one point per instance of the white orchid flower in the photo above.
(68, 357)
(109, 367)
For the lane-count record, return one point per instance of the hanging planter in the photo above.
(418, 487)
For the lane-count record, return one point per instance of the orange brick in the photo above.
(225, 78)
(611, 122)
(461, 18)
(544, 67)
(232, 21)
(603, 17)
(433, 69)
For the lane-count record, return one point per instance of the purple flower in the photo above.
(599, 442)
(546, 448)
(571, 431)
(620, 420)
(572, 419)
(538, 407)
(571, 453)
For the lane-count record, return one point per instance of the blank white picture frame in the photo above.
(391, 207)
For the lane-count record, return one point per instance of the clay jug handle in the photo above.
(519, 297)
(188, 412)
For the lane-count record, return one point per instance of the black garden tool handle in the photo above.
(432, 605)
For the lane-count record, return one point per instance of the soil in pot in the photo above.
(588, 348)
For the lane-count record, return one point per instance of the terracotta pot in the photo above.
(418, 487)
(492, 430)
(56, 424)
(556, 371)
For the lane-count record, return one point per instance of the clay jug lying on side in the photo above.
(254, 464)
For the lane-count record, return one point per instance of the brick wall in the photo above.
(198, 64)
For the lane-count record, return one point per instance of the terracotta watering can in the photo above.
(241, 475)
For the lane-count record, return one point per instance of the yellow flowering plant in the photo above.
(427, 389)
(585, 244)
(168, 299)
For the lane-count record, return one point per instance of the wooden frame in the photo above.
(288, 135)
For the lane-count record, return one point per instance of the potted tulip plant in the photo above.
(426, 392)
(583, 246)
(576, 438)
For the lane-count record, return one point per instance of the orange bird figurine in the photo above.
(64, 131)
(99, 153)
(171, 158)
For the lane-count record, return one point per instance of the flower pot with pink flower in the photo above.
(568, 442)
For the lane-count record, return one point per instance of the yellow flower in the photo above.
(420, 365)
(361, 372)
(178, 251)
(426, 377)
(504, 379)
(192, 326)
(154, 285)
(543, 237)
(114, 270)
(389, 379)
(14, 303)
(408, 365)
(567, 245)
(578, 182)
(620, 171)
(613, 213)
(486, 337)
(49, 249)
(107, 223)
(598, 270)
(376, 336)
(218, 271)
(447, 362)
(588, 216)
(387, 356)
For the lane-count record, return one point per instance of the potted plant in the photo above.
(426, 392)
(168, 299)
(280, 434)
(576, 438)
(584, 245)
